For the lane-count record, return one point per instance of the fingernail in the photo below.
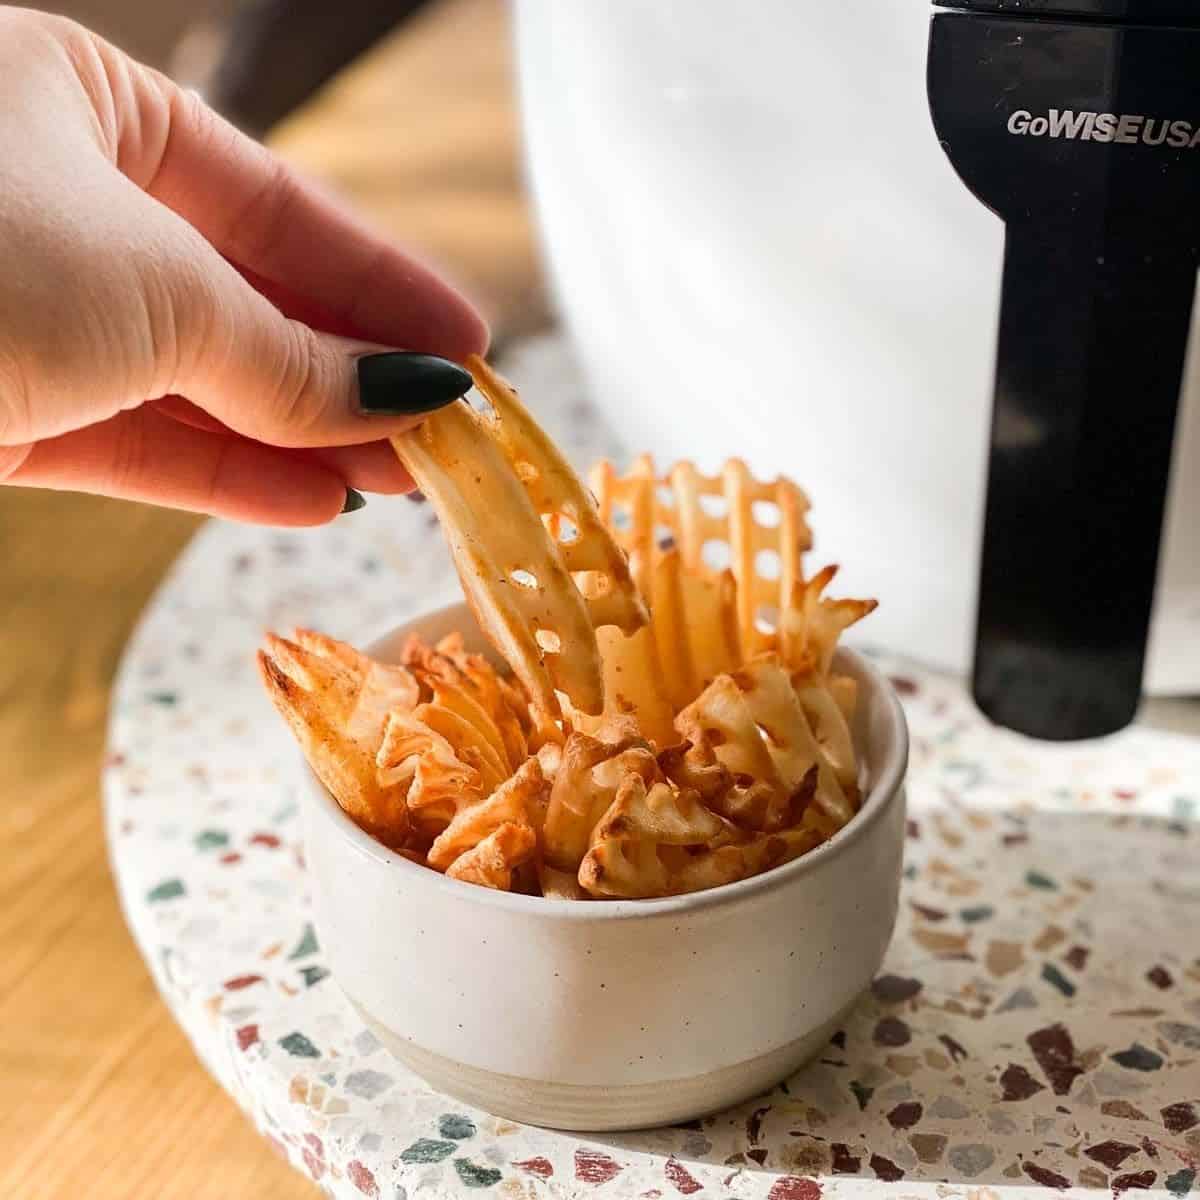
(402, 384)
(354, 501)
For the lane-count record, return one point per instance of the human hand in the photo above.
(182, 319)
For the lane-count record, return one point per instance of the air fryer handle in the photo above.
(1092, 344)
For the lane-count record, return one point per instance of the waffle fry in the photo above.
(625, 858)
(811, 624)
(424, 762)
(495, 860)
(586, 783)
(470, 683)
(756, 726)
(525, 538)
(695, 512)
(331, 699)
(674, 723)
(519, 800)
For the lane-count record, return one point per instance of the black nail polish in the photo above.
(354, 501)
(402, 384)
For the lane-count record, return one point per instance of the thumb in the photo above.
(279, 381)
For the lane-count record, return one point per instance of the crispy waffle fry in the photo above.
(811, 624)
(318, 695)
(495, 860)
(500, 699)
(721, 509)
(721, 721)
(519, 800)
(760, 526)
(571, 780)
(660, 814)
(757, 726)
(629, 851)
(422, 760)
(585, 785)
(694, 627)
(524, 536)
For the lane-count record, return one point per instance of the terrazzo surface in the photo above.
(1035, 1028)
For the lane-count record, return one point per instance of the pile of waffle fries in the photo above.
(672, 720)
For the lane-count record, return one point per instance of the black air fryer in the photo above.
(1078, 123)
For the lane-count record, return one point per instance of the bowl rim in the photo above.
(887, 790)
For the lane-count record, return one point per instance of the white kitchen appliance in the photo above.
(760, 248)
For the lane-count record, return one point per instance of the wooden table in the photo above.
(100, 1087)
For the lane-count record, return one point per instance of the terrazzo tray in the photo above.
(1036, 1026)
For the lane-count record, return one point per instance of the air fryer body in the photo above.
(761, 249)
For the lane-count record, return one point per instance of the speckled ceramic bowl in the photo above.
(623, 1014)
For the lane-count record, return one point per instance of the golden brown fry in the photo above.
(721, 720)
(721, 510)
(694, 625)
(494, 860)
(811, 625)
(629, 854)
(438, 781)
(520, 529)
(520, 800)
(502, 699)
(317, 706)
(758, 527)
(757, 725)
(658, 814)
(570, 781)
(586, 783)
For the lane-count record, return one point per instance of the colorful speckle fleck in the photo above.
(681, 1178)
(542, 1167)
(1054, 1050)
(427, 1150)
(306, 945)
(367, 1083)
(1140, 1180)
(169, 889)
(895, 989)
(297, 1045)
(474, 1176)
(885, 1169)
(891, 1031)
(1180, 1117)
(1180, 1183)
(593, 1166)
(795, 1187)
(1138, 1058)
(363, 1179)
(1036, 879)
(905, 1115)
(455, 1126)
(1018, 1084)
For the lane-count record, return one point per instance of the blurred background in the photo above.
(407, 110)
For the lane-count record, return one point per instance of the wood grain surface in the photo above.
(102, 1097)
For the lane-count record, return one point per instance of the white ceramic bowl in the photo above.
(621, 1014)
